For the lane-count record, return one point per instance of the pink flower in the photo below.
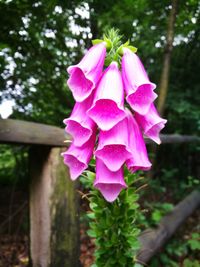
(138, 88)
(113, 146)
(108, 106)
(109, 183)
(79, 125)
(139, 159)
(77, 158)
(85, 75)
(99, 99)
(151, 123)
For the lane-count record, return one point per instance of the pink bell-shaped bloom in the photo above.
(151, 123)
(85, 75)
(109, 183)
(113, 146)
(108, 105)
(77, 158)
(139, 159)
(79, 125)
(139, 89)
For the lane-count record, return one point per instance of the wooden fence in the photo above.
(54, 203)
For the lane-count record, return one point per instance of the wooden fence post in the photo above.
(54, 211)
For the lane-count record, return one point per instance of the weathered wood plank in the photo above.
(176, 138)
(54, 211)
(24, 132)
(153, 239)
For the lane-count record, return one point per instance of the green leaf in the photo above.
(137, 265)
(195, 235)
(109, 43)
(156, 216)
(194, 244)
(190, 263)
(120, 50)
(91, 175)
(123, 260)
(132, 48)
(91, 215)
(126, 45)
(93, 205)
(91, 233)
(97, 41)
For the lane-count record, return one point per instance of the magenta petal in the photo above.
(151, 123)
(77, 158)
(113, 156)
(76, 167)
(106, 114)
(113, 146)
(79, 133)
(141, 99)
(109, 183)
(79, 125)
(85, 75)
(108, 106)
(80, 85)
(138, 88)
(134, 166)
(139, 159)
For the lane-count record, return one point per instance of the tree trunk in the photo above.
(164, 80)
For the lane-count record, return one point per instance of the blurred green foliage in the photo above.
(14, 165)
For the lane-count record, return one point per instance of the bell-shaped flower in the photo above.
(139, 89)
(108, 106)
(109, 183)
(139, 159)
(113, 146)
(151, 123)
(77, 158)
(79, 125)
(85, 75)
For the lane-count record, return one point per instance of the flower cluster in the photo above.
(100, 111)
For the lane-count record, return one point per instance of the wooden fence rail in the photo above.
(31, 133)
(54, 204)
